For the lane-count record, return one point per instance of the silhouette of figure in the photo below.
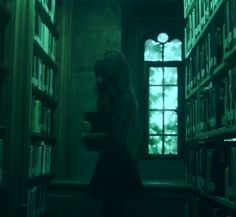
(115, 177)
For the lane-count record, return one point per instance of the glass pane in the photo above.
(170, 146)
(155, 122)
(170, 122)
(171, 95)
(155, 145)
(152, 50)
(162, 37)
(173, 50)
(155, 75)
(170, 77)
(155, 98)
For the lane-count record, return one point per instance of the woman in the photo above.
(115, 178)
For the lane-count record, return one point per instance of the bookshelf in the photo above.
(4, 19)
(28, 135)
(43, 104)
(210, 76)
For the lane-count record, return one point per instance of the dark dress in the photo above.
(115, 174)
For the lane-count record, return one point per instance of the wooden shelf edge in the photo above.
(39, 51)
(222, 67)
(46, 18)
(220, 200)
(41, 179)
(40, 137)
(227, 132)
(50, 101)
(230, 56)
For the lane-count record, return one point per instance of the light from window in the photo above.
(163, 94)
(152, 51)
(172, 50)
(163, 103)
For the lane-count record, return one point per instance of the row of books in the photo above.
(202, 4)
(201, 112)
(41, 117)
(44, 37)
(187, 5)
(212, 170)
(42, 76)
(230, 25)
(214, 107)
(49, 6)
(197, 207)
(36, 202)
(40, 158)
(205, 58)
(228, 86)
(197, 20)
(1, 160)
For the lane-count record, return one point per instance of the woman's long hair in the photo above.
(114, 88)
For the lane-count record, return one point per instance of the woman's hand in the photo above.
(86, 127)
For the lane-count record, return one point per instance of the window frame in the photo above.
(180, 111)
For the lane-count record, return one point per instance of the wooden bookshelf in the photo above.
(29, 134)
(206, 26)
(43, 96)
(211, 108)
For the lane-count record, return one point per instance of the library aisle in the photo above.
(182, 56)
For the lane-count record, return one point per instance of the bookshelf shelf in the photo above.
(220, 133)
(39, 51)
(230, 56)
(40, 180)
(46, 18)
(219, 200)
(218, 72)
(199, 87)
(48, 100)
(48, 138)
(205, 28)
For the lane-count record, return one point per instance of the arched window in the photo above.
(162, 58)
(171, 51)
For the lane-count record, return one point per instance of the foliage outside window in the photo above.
(163, 94)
